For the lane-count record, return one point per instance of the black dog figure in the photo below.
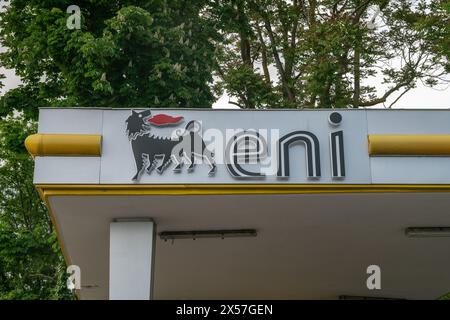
(148, 148)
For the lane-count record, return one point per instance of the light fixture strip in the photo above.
(427, 232)
(198, 234)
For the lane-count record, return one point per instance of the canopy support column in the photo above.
(131, 257)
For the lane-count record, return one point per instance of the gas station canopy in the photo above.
(234, 204)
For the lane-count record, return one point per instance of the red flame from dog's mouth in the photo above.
(164, 120)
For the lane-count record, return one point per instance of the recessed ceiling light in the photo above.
(427, 232)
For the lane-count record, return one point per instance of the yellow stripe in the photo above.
(73, 145)
(231, 189)
(58, 232)
(55, 225)
(409, 144)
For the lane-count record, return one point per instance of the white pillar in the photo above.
(131, 252)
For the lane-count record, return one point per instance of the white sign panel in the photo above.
(220, 147)
(192, 146)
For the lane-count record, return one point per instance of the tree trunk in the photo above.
(357, 78)
(357, 71)
(265, 64)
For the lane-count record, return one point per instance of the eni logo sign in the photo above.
(240, 152)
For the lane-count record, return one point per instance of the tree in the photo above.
(434, 22)
(154, 53)
(31, 265)
(126, 54)
(321, 53)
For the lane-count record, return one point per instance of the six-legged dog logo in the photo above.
(150, 150)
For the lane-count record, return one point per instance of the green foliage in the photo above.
(258, 93)
(445, 297)
(322, 53)
(127, 54)
(31, 265)
(434, 22)
(156, 53)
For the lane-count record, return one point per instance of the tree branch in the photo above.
(235, 103)
(398, 98)
(384, 97)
